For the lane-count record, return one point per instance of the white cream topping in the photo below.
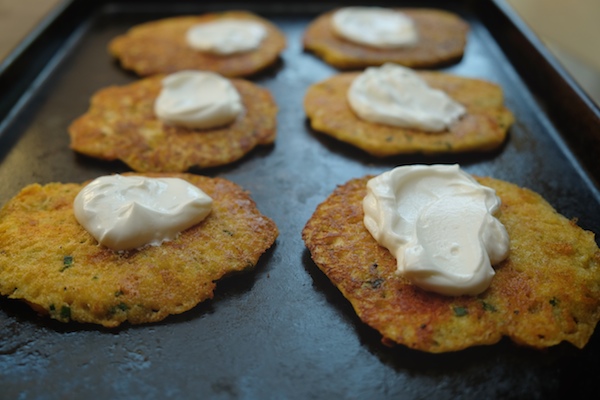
(438, 222)
(397, 96)
(375, 26)
(197, 99)
(226, 36)
(128, 212)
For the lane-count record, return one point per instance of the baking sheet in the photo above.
(282, 330)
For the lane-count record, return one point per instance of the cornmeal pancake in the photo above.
(547, 291)
(160, 47)
(483, 128)
(49, 261)
(442, 39)
(121, 125)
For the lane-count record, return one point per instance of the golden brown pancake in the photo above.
(442, 39)
(121, 125)
(547, 290)
(160, 47)
(483, 128)
(50, 261)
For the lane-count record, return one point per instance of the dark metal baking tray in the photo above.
(283, 331)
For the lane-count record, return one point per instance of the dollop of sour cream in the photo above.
(438, 222)
(397, 96)
(375, 26)
(197, 99)
(128, 212)
(226, 36)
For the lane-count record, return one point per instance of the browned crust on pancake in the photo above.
(547, 291)
(121, 125)
(483, 128)
(442, 39)
(159, 47)
(101, 286)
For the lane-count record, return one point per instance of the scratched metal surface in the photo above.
(281, 331)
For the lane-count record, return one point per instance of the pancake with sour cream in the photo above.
(124, 122)
(164, 46)
(483, 126)
(49, 261)
(546, 291)
(439, 38)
